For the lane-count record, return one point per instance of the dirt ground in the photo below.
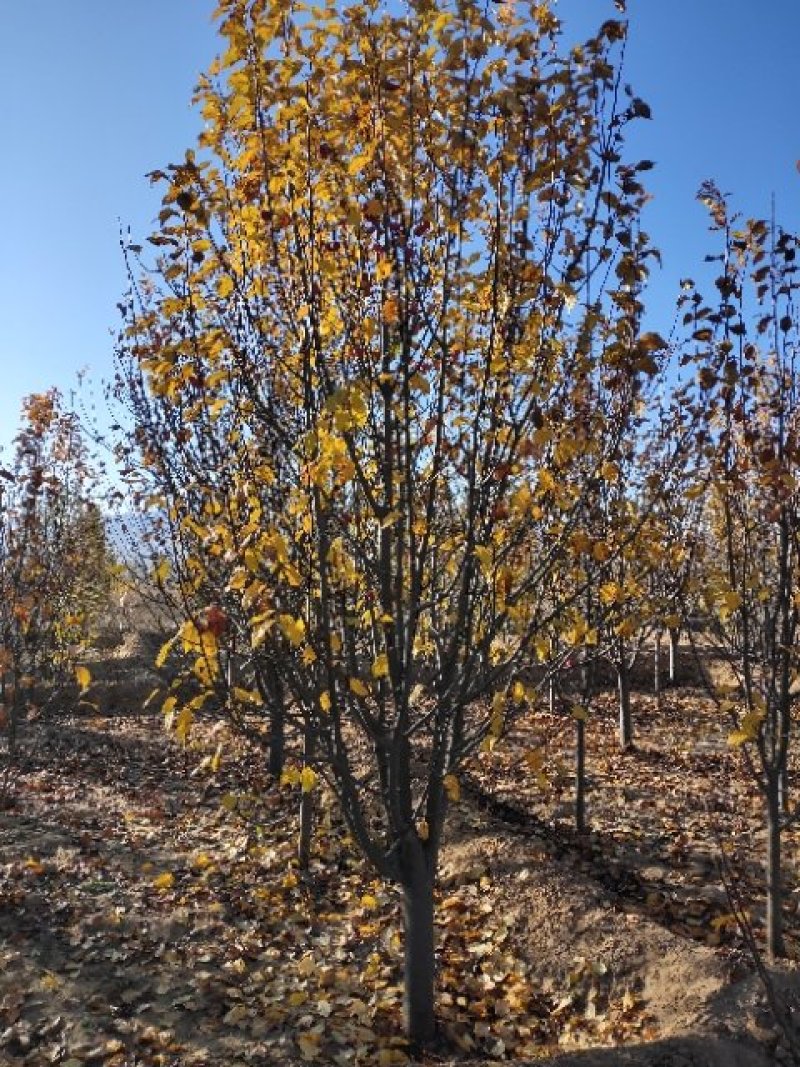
(151, 915)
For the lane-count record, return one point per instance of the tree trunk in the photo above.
(306, 828)
(231, 678)
(775, 947)
(625, 717)
(580, 775)
(420, 960)
(277, 727)
(13, 724)
(674, 639)
(783, 788)
(552, 689)
(657, 668)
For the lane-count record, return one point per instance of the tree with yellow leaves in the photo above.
(404, 266)
(749, 550)
(54, 562)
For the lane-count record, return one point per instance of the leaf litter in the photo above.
(146, 921)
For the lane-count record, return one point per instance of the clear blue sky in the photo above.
(96, 93)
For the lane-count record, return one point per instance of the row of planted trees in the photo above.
(55, 566)
(411, 453)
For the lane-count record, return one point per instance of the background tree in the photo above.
(751, 578)
(208, 585)
(53, 560)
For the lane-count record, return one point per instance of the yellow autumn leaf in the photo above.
(545, 481)
(161, 572)
(484, 556)
(380, 668)
(610, 593)
(183, 724)
(190, 636)
(83, 677)
(293, 629)
(325, 701)
(748, 729)
(358, 687)
(164, 651)
(205, 670)
(391, 311)
(246, 696)
(601, 551)
(541, 646)
(308, 779)
(738, 737)
(291, 574)
(164, 881)
(452, 787)
(225, 286)
(729, 601)
(260, 633)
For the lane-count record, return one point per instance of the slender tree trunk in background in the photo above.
(13, 716)
(657, 668)
(783, 789)
(775, 946)
(306, 806)
(784, 727)
(551, 685)
(580, 775)
(277, 726)
(587, 669)
(674, 640)
(625, 716)
(230, 669)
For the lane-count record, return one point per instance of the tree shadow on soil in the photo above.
(618, 869)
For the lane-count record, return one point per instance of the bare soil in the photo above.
(142, 922)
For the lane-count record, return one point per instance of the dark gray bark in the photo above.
(306, 829)
(277, 727)
(580, 775)
(783, 787)
(657, 667)
(775, 945)
(420, 959)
